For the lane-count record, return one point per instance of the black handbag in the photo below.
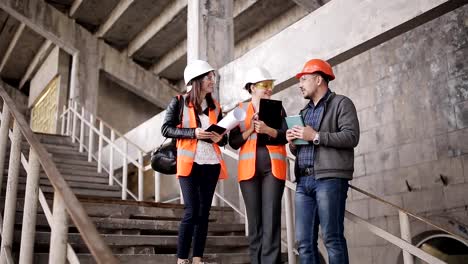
(164, 158)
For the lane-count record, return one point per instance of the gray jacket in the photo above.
(339, 134)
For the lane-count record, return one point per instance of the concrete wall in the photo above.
(120, 108)
(56, 64)
(411, 94)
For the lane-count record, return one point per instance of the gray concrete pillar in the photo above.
(210, 32)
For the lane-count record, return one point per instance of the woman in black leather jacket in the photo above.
(199, 160)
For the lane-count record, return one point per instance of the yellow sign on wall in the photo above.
(45, 110)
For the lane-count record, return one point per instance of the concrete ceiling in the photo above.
(133, 25)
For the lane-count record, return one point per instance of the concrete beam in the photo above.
(352, 27)
(121, 7)
(171, 56)
(76, 4)
(242, 5)
(11, 46)
(37, 61)
(310, 5)
(118, 69)
(166, 16)
(65, 33)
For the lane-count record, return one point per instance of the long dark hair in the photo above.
(194, 95)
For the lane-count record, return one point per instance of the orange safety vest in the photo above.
(246, 166)
(186, 147)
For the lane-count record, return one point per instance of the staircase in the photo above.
(136, 232)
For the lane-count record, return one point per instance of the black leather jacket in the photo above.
(174, 117)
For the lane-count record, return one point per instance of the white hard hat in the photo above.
(258, 74)
(196, 68)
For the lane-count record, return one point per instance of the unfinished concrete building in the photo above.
(84, 86)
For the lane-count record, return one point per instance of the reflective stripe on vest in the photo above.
(278, 156)
(186, 153)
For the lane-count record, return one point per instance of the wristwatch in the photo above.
(316, 139)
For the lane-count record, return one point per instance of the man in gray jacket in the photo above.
(324, 165)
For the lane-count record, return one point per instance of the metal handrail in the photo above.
(109, 127)
(373, 196)
(98, 248)
(420, 218)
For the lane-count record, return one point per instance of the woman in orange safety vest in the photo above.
(261, 170)
(199, 160)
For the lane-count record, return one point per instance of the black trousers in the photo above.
(197, 189)
(262, 196)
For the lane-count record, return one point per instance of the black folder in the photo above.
(270, 113)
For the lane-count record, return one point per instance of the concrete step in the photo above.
(216, 243)
(73, 184)
(214, 258)
(143, 227)
(69, 178)
(54, 139)
(99, 207)
(71, 155)
(149, 210)
(78, 172)
(67, 172)
(78, 178)
(59, 150)
(67, 161)
(76, 167)
(49, 190)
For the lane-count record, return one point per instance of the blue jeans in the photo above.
(321, 202)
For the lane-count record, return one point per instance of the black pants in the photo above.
(262, 196)
(198, 190)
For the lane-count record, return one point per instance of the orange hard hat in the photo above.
(317, 65)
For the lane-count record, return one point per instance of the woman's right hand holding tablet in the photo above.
(202, 134)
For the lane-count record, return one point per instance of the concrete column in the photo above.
(63, 85)
(210, 32)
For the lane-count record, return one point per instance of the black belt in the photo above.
(306, 171)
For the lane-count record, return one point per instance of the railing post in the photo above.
(82, 123)
(290, 232)
(70, 105)
(124, 171)
(181, 196)
(62, 130)
(246, 221)
(75, 116)
(12, 187)
(157, 186)
(111, 158)
(405, 235)
(28, 231)
(59, 234)
(101, 134)
(141, 194)
(91, 138)
(215, 201)
(4, 130)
